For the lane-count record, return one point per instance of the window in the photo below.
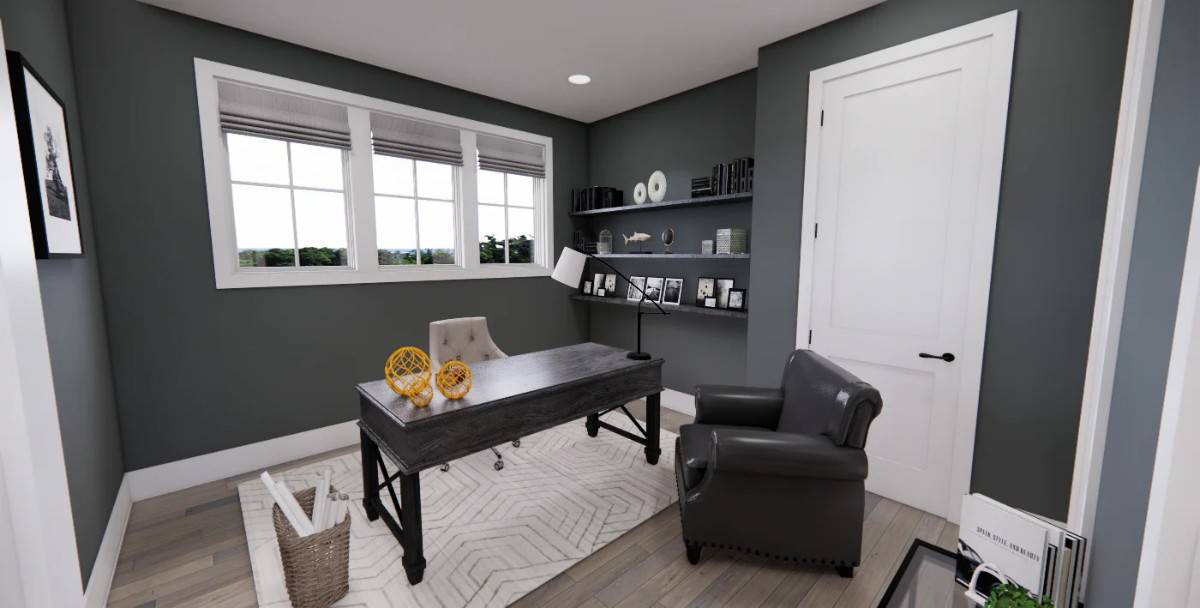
(289, 202)
(506, 225)
(310, 186)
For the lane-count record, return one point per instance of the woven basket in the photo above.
(316, 567)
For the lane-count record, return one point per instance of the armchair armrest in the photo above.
(738, 405)
(755, 452)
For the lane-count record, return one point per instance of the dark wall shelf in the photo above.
(676, 256)
(687, 202)
(684, 308)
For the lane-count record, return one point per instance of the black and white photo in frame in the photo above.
(46, 160)
(610, 284)
(587, 288)
(598, 283)
(723, 287)
(705, 288)
(672, 291)
(654, 289)
(737, 299)
(636, 284)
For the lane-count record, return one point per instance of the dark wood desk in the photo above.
(510, 398)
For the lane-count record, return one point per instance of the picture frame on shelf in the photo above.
(710, 302)
(42, 134)
(600, 292)
(723, 287)
(597, 283)
(737, 299)
(706, 287)
(610, 284)
(672, 292)
(587, 288)
(654, 289)
(635, 283)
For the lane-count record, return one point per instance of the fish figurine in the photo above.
(637, 237)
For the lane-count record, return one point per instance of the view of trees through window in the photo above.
(414, 211)
(289, 202)
(506, 231)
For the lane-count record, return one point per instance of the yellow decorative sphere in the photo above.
(454, 379)
(423, 398)
(408, 371)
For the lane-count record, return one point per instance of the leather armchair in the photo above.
(779, 472)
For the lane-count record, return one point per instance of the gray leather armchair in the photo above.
(779, 472)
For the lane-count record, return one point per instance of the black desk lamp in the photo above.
(569, 270)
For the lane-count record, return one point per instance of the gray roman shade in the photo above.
(511, 155)
(408, 138)
(254, 111)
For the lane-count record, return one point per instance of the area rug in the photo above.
(490, 536)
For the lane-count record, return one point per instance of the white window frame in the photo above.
(360, 193)
(539, 198)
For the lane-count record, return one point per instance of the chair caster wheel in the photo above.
(445, 467)
(693, 553)
(498, 465)
(516, 443)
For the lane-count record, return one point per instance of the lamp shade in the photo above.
(569, 268)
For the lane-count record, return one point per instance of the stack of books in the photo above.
(701, 186)
(733, 178)
(596, 197)
(1026, 549)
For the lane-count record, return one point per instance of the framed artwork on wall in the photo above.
(737, 299)
(46, 160)
(636, 284)
(654, 289)
(705, 288)
(672, 292)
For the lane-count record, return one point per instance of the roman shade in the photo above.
(511, 155)
(262, 112)
(408, 138)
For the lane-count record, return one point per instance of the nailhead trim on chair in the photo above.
(786, 558)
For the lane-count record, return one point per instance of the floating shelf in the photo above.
(684, 308)
(686, 202)
(676, 256)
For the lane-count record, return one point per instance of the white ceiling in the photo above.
(636, 51)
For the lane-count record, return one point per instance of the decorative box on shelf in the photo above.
(731, 240)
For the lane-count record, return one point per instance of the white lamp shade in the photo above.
(569, 268)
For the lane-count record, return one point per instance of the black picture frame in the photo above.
(66, 200)
(705, 287)
(740, 295)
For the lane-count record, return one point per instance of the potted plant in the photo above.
(1012, 595)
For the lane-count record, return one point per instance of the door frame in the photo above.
(35, 478)
(1003, 29)
(1161, 572)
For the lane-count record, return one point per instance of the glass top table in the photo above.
(925, 580)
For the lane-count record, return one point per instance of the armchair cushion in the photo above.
(761, 452)
(738, 405)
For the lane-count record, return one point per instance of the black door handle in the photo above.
(947, 357)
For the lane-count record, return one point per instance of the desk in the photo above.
(510, 398)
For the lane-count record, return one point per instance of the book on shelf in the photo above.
(1029, 550)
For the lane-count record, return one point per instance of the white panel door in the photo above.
(903, 174)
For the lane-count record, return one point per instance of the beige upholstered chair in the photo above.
(467, 340)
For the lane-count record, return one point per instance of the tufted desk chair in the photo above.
(466, 339)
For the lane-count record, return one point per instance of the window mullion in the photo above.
(505, 180)
(360, 194)
(467, 203)
(416, 212)
(292, 197)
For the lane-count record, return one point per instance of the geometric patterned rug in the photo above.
(490, 536)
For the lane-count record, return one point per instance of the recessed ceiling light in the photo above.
(579, 79)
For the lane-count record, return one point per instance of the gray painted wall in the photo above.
(684, 136)
(1061, 127)
(1152, 296)
(87, 410)
(197, 369)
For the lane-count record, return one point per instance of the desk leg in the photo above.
(410, 522)
(370, 471)
(652, 425)
(592, 425)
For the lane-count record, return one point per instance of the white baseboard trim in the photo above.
(99, 584)
(173, 476)
(679, 401)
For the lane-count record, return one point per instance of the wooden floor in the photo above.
(188, 549)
